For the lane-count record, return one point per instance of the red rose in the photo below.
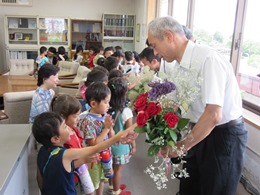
(140, 102)
(141, 118)
(153, 109)
(171, 119)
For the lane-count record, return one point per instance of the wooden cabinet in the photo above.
(119, 29)
(86, 33)
(21, 30)
(24, 35)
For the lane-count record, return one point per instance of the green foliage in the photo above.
(153, 150)
(218, 37)
(251, 47)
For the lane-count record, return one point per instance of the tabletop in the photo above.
(16, 83)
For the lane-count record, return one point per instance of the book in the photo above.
(31, 23)
(13, 23)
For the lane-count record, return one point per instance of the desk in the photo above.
(16, 83)
(15, 146)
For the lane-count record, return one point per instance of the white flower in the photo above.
(159, 173)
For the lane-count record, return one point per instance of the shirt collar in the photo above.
(187, 55)
(43, 91)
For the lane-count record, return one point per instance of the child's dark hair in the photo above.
(78, 49)
(45, 72)
(101, 68)
(97, 91)
(101, 61)
(115, 73)
(118, 48)
(129, 56)
(118, 53)
(43, 49)
(93, 48)
(148, 54)
(96, 76)
(111, 48)
(111, 63)
(147, 43)
(45, 126)
(136, 56)
(61, 50)
(99, 48)
(118, 88)
(52, 50)
(66, 105)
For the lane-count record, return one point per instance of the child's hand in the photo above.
(111, 133)
(94, 158)
(108, 122)
(129, 135)
(133, 150)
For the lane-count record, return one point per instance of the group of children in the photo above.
(129, 61)
(63, 161)
(51, 56)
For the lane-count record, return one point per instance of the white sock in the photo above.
(117, 192)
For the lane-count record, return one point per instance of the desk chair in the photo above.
(72, 88)
(68, 68)
(17, 106)
(21, 66)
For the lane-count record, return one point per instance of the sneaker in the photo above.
(121, 187)
(125, 193)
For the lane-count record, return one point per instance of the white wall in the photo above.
(88, 9)
(141, 18)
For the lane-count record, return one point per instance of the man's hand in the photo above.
(168, 151)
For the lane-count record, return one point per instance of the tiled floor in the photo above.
(133, 175)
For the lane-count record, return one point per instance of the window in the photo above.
(162, 8)
(215, 26)
(212, 26)
(249, 67)
(180, 11)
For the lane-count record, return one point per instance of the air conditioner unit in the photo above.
(16, 2)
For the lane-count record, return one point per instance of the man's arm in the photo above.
(211, 116)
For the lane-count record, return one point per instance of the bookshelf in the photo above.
(22, 30)
(119, 29)
(86, 33)
(24, 35)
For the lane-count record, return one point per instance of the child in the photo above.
(108, 51)
(100, 52)
(92, 54)
(111, 63)
(47, 81)
(69, 108)
(123, 119)
(55, 167)
(42, 59)
(51, 54)
(78, 56)
(96, 74)
(98, 97)
(115, 73)
(62, 54)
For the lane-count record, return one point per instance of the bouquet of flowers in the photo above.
(159, 115)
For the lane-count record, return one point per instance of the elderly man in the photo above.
(216, 143)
